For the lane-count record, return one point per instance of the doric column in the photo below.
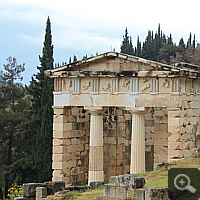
(96, 173)
(137, 164)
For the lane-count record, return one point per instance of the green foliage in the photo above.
(12, 114)
(40, 125)
(126, 46)
(160, 48)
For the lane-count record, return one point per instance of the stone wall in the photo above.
(184, 127)
(70, 145)
(156, 136)
(115, 143)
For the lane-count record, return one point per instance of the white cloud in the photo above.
(80, 41)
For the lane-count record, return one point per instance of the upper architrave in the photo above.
(117, 64)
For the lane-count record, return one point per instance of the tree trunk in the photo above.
(1, 193)
(6, 186)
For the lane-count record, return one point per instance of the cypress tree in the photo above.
(126, 46)
(194, 42)
(41, 90)
(138, 49)
(189, 42)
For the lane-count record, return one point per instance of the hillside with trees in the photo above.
(161, 48)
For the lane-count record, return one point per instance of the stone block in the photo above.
(160, 158)
(62, 126)
(175, 154)
(109, 190)
(127, 116)
(161, 142)
(118, 112)
(160, 149)
(68, 134)
(120, 192)
(62, 110)
(75, 148)
(130, 180)
(70, 164)
(60, 149)
(174, 145)
(29, 189)
(137, 194)
(186, 153)
(61, 142)
(75, 141)
(174, 138)
(174, 121)
(59, 165)
(159, 113)
(41, 192)
(173, 129)
(58, 186)
(156, 193)
(194, 104)
(61, 118)
(49, 186)
(109, 140)
(84, 140)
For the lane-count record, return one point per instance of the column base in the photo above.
(95, 176)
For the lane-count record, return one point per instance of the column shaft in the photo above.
(96, 173)
(137, 164)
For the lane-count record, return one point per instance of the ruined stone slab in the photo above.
(156, 193)
(109, 190)
(41, 192)
(130, 180)
(29, 189)
(137, 194)
(58, 186)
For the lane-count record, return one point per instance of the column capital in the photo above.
(141, 110)
(95, 110)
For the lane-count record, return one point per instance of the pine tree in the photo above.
(41, 90)
(12, 106)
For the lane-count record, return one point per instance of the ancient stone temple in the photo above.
(116, 113)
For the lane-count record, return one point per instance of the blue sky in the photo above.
(86, 27)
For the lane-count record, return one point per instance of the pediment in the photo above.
(118, 64)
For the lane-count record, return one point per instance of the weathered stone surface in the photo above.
(109, 190)
(130, 180)
(156, 193)
(41, 192)
(137, 194)
(58, 186)
(29, 189)
(49, 186)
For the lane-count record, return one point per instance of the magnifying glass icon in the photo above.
(181, 182)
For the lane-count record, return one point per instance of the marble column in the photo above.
(96, 173)
(137, 164)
